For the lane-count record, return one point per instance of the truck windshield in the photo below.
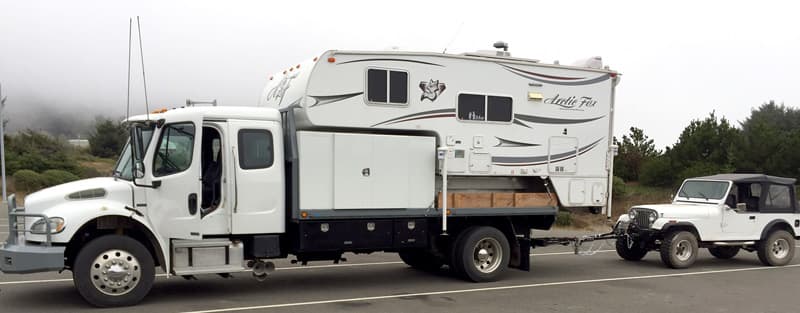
(709, 190)
(124, 167)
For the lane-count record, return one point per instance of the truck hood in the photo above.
(80, 190)
(680, 210)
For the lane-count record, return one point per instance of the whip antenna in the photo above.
(128, 99)
(144, 77)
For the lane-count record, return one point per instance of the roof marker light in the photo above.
(331, 60)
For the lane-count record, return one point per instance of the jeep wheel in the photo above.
(113, 271)
(724, 252)
(634, 253)
(679, 249)
(777, 249)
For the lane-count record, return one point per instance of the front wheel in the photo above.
(777, 249)
(679, 249)
(481, 254)
(113, 271)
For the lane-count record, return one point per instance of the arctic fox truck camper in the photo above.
(443, 159)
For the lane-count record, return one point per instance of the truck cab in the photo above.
(724, 213)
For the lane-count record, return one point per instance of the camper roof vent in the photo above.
(501, 54)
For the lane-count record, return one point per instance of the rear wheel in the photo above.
(679, 249)
(481, 254)
(633, 253)
(777, 249)
(421, 259)
(724, 252)
(113, 271)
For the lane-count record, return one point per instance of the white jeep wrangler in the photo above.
(724, 213)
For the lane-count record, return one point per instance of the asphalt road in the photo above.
(559, 282)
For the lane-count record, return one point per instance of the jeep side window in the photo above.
(753, 198)
(778, 198)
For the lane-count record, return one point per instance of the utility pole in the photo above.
(3, 145)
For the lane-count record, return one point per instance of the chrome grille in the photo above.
(642, 219)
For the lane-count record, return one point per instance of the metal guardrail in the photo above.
(13, 226)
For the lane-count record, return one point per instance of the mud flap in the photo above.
(520, 255)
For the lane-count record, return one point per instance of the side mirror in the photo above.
(741, 207)
(138, 169)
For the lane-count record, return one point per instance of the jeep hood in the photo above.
(680, 210)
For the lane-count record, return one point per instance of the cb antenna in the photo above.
(144, 77)
(128, 99)
(458, 31)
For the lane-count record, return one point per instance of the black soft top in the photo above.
(751, 178)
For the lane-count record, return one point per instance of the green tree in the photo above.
(107, 138)
(37, 152)
(634, 150)
(770, 141)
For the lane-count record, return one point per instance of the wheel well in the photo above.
(777, 225)
(682, 227)
(113, 224)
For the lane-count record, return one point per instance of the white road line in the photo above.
(457, 291)
(20, 282)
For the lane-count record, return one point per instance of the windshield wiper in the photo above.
(684, 194)
(702, 195)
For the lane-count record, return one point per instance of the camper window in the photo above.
(483, 108)
(387, 87)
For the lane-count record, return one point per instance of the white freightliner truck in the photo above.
(444, 159)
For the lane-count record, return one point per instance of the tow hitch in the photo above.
(617, 232)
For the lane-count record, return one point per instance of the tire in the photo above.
(113, 271)
(481, 254)
(724, 252)
(679, 249)
(634, 253)
(421, 260)
(777, 249)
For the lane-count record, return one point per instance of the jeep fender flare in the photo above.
(687, 226)
(777, 224)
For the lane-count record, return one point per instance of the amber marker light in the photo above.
(304, 214)
(331, 60)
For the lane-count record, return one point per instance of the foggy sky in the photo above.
(680, 60)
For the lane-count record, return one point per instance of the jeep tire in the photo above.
(679, 249)
(724, 252)
(635, 253)
(777, 249)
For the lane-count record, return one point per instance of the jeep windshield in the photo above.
(703, 190)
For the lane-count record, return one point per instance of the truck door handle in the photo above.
(752, 217)
(192, 203)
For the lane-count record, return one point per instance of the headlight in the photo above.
(632, 214)
(40, 228)
(652, 218)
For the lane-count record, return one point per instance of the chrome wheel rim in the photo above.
(115, 272)
(683, 250)
(487, 255)
(780, 248)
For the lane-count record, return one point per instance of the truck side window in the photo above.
(175, 148)
(484, 108)
(387, 87)
(255, 149)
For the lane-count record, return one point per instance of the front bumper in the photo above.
(22, 259)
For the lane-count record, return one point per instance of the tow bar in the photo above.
(577, 242)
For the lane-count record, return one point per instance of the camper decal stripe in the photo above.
(395, 60)
(511, 143)
(518, 122)
(567, 81)
(539, 160)
(550, 120)
(398, 119)
(320, 100)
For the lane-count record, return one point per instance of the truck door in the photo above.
(257, 150)
(173, 206)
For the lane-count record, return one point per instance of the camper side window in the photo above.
(484, 108)
(387, 87)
